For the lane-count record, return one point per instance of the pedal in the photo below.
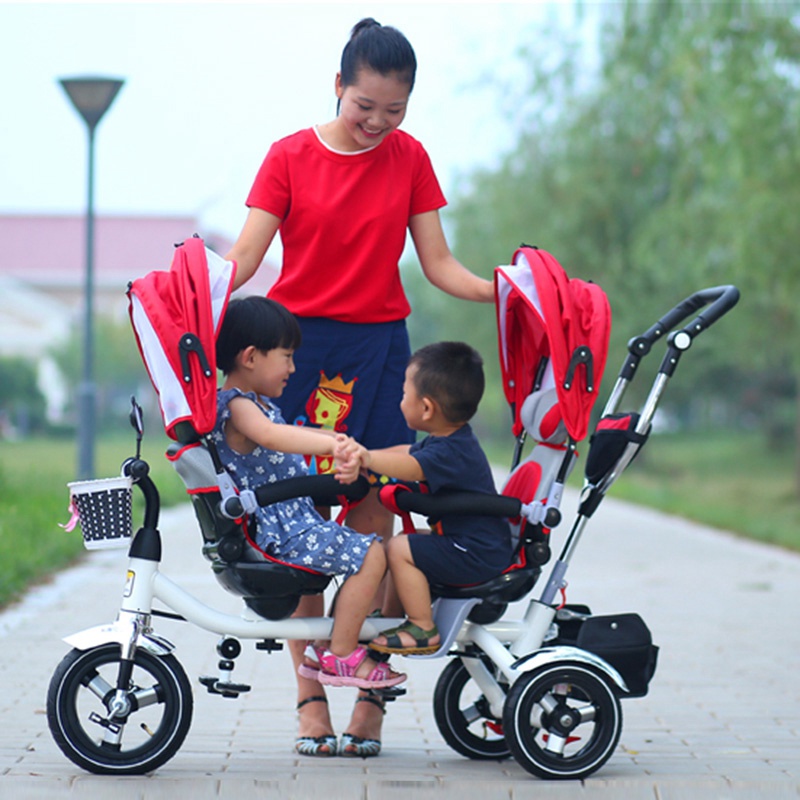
(388, 694)
(224, 688)
(270, 645)
(231, 689)
(229, 648)
(376, 656)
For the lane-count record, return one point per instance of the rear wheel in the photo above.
(149, 720)
(463, 715)
(562, 721)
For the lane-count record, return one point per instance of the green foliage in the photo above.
(118, 369)
(21, 401)
(33, 487)
(669, 165)
(704, 476)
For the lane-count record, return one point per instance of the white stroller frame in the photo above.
(542, 687)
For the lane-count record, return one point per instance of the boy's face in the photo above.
(412, 405)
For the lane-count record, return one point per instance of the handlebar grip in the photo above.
(458, 503)
(722, 299)
(322, 489)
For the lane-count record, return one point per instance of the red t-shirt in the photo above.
(344, 220)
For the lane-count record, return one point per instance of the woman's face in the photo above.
(371, 108)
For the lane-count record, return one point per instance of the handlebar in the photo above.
(458, 503)
(139, 470)
(720, 300)
(324, 490)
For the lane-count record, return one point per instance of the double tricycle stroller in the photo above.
(545, 689)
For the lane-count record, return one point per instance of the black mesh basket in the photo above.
(104, 511)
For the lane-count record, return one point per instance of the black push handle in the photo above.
(458, 503)
(719, 299)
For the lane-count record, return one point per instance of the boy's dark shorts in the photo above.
(449, 561)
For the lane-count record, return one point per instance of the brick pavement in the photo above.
(722, 718)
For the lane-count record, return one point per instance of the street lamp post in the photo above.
(91, 98)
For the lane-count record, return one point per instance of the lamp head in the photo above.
(91, 96)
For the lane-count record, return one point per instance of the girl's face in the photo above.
(371, 108)
(272, 370)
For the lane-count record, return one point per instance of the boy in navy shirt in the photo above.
(444, 383)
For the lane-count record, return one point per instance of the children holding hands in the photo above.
(443, 385)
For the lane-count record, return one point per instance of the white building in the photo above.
(43, 274)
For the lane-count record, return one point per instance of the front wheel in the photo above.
(463, 715)
(562, 720)
(119, 733)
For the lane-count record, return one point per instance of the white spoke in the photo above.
(555, 743)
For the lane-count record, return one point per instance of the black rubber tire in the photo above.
(577, 689)
(147, 737)
(461, 722)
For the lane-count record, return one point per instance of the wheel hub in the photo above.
(562, 720)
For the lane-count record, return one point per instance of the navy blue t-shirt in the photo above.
(457, 463)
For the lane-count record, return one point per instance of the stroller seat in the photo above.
(176, 317)
(529, 482)
(268, 586)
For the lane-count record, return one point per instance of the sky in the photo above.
(209, 86)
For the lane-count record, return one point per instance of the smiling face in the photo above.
(371, 108)
(271, 370)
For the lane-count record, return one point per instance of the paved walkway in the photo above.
(722, 718)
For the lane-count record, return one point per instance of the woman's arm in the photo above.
(440, 266)
(257, 234)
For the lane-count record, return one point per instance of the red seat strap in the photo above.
(387, 497)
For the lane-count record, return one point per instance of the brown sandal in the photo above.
(394, 644)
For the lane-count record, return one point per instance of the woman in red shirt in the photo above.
(343, 195)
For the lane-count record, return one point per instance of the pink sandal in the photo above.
(335, 671)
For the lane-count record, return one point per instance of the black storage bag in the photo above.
(624, 641)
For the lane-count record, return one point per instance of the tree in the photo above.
(118, 369)
(669, 164)
(21, 402)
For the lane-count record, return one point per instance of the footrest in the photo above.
(216, 686)
(389, 693)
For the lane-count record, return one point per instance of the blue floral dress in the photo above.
(291, 530)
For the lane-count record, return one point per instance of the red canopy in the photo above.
(176, 317)
(541, 314)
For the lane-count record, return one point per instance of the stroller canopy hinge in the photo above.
(581, 355)
(189, 343)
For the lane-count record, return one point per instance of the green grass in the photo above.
(732, 481)
(724, 479)
(34, 499)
